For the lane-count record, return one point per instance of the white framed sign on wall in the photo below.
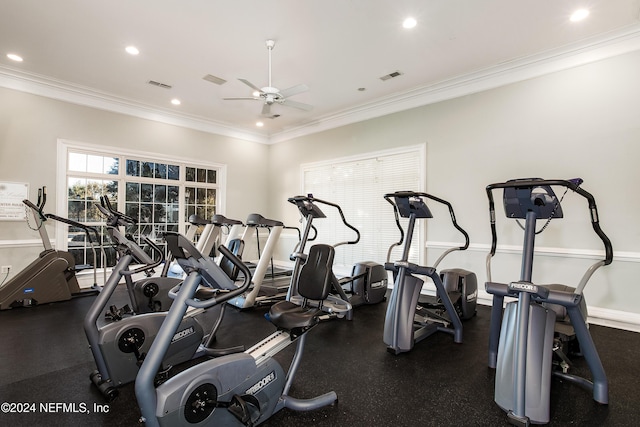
(11, 196)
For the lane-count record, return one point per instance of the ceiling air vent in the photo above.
(162, 85)
(214, 79)
(390, 75)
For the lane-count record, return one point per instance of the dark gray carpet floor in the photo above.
(44, 358)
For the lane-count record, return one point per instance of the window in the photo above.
(160, 194)
(199, 199)
(358, 186)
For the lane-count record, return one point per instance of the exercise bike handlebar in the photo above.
(223, 295)
(149, 263)
(573, 185)
(115, 217)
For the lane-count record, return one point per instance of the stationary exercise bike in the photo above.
(531, 340)
(52, 276)
(367, 283)
(241, 389)
(411, 317)
(146, 295)
(120, 345)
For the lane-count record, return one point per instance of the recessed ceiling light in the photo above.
(579, 15)
(14, 57)
(409, 23)
(175, 101)
(259, 124)
(132, 50)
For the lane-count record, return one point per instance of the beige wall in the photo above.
(581, 122)
(31, 125)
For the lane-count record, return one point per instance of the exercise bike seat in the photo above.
(314, 284)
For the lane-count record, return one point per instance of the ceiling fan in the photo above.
(270, 95)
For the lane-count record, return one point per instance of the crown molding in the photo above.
(587, 51)
(573, 55)
(36, 84)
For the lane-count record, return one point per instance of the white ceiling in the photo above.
(74, 50)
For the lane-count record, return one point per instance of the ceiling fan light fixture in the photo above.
(270, 94)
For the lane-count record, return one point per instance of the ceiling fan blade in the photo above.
(251, 85)
(266, 109)
(242, 99)
(298, 105)
(294, 90)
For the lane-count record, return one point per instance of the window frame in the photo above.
(64, 147)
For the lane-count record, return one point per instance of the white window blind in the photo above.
(358, 186)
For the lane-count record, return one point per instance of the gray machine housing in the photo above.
(236, 389)
(52, 276)
(117, 341)
(412, 317)
(463, 286)
(151, 294)
(369, 284)
(524, 340)
(54, 269)
(539, 361)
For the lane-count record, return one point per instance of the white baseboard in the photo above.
(597, 316)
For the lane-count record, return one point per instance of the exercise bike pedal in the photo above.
(162, 376)
(106, 387)
(116, 314)
(245, 408)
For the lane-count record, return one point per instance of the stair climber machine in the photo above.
(242, 389)
(368, 281)
(531, 341)
(52, 276)
(411, 317)
(120, 341)
(264, 290)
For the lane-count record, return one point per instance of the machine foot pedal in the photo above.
(517, 420)
(245, 408)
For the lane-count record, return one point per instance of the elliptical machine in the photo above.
(545, 319)
(367, 283)
(120, 346)
(241, 389)
(52, 276)
(411, 317)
